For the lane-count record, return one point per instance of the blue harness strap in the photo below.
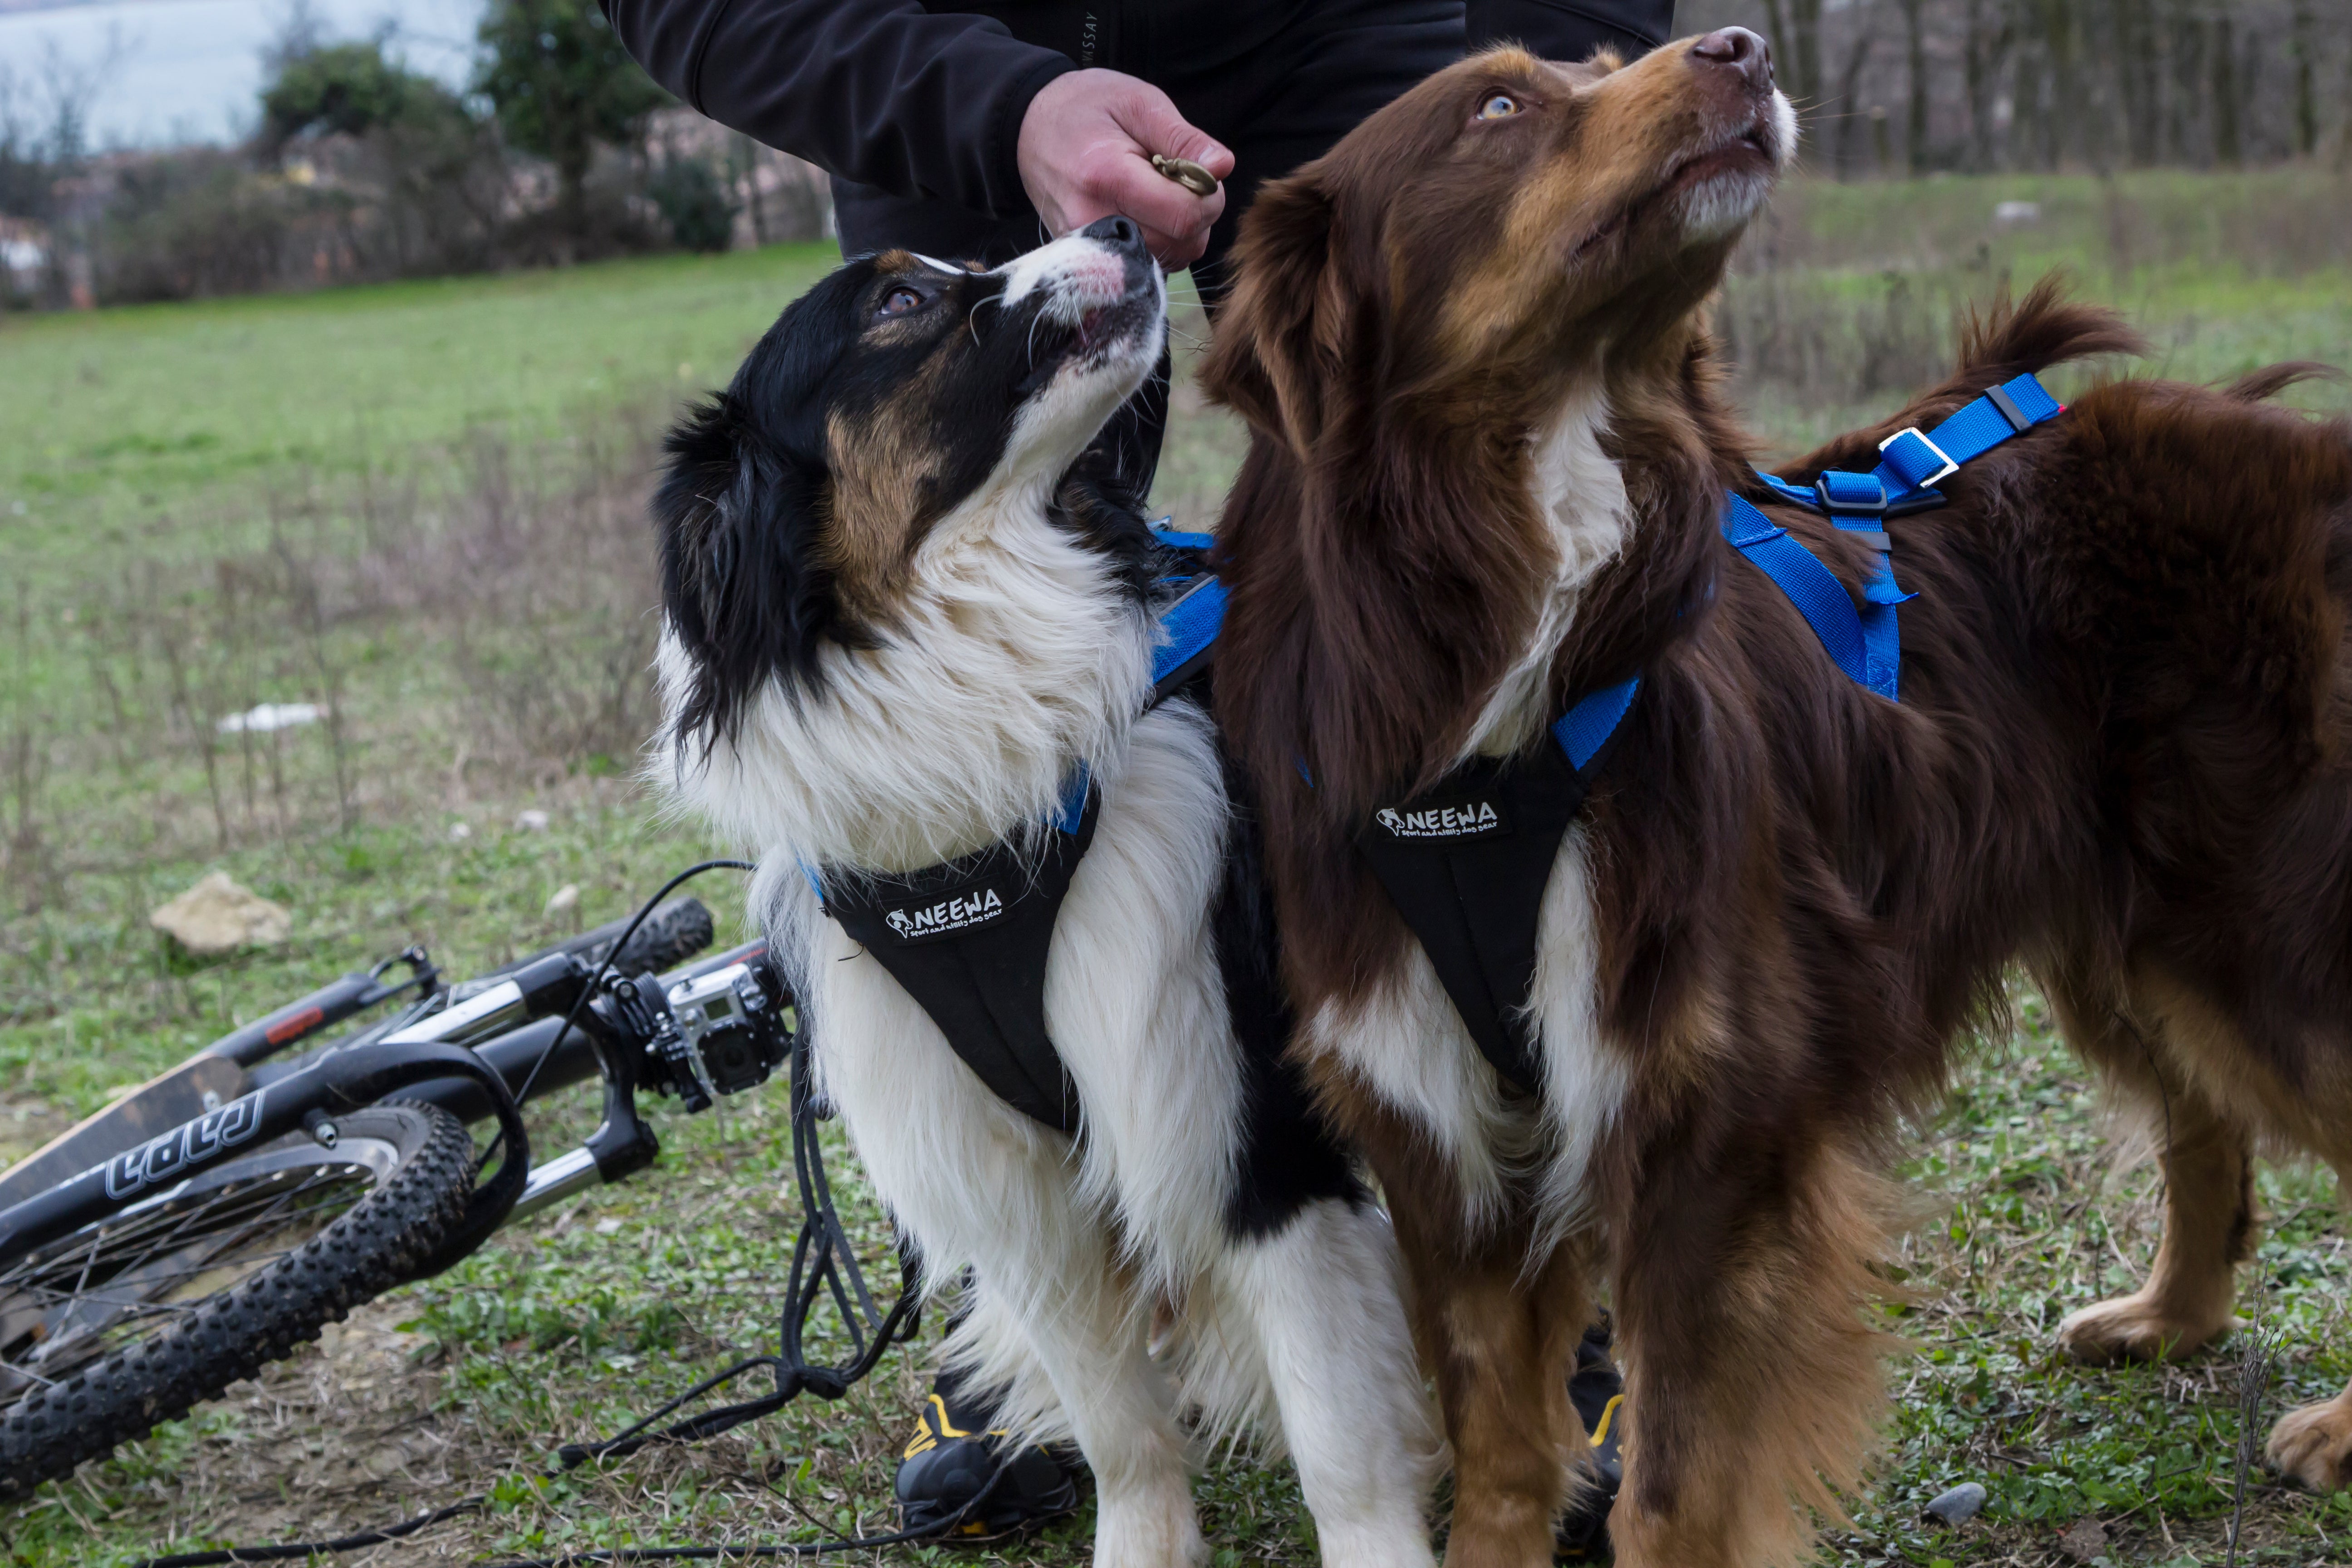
(1189, 629)
(1865, 643)
(1586, 727)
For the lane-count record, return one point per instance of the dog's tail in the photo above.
(2006, 338)
(2261, 385)
(2016, 336)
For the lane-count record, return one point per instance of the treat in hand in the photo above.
(1187, 173)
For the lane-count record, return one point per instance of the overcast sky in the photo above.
(165, 72)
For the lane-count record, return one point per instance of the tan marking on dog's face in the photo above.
(1533, 210)
(876, 512)
(885, 464)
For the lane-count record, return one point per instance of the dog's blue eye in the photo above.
(1498, 107)
(900, 301)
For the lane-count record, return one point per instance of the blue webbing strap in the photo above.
(1908, 459)
(1175, 540)
(1584, 729)
(1073, 807)
(1866, 644)
(1189, 626)
(1580, 732)
(1861, 644)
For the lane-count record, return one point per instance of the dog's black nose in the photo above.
(1122, 232)
(1741, 51)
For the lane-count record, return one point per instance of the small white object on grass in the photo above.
(607, 1225)
(1957, 1505)
(532, 821)
(2017, 212)
(461, 831)
(264, 717)
(563, 900)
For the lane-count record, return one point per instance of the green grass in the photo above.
(185, 471)
(122, 417)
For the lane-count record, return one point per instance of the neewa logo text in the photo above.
(959, 913)
(166, 1159)
(1467, 820)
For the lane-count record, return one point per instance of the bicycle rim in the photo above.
(111, 1285)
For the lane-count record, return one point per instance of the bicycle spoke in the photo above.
(123, 1277)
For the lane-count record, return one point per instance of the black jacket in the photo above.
(926, 103)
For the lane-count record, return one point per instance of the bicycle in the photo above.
(223, 1213)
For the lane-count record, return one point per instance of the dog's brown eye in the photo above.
(901, 301)
(1498, 107)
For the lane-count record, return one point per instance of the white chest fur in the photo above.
(1582, 498)
(1405, 1038)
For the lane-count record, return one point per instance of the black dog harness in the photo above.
(968, 938)
(1466, 862)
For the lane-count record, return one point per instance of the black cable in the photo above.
(720, 1553)
(298, 1549)
(604, 967)
(823, 1264)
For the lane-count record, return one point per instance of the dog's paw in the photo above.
(2133, 1327)
(2313, 1445)
(1147, 1527)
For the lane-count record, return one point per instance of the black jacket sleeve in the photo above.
(878, 92)
(1571, 30)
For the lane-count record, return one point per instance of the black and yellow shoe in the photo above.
(1598, 1394)
(951, 1457)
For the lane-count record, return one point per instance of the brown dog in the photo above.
(1486, 477)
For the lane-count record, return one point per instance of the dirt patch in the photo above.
(344, 1435)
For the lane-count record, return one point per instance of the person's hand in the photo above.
(1086, 152)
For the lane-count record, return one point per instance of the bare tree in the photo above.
(1914, 125)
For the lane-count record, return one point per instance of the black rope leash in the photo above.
(824, 1266)
(300, 1549)
(720, 1553)
(616, 1554)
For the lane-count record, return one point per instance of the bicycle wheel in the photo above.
(124, 1324)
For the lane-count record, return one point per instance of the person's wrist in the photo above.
(1012, 121)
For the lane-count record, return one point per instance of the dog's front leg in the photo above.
(1752, 1379)
(1323, 1297)
(978, 1185)
(1056, 1326)
(1501, 1338)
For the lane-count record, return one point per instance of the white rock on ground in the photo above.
(218, 916)
(564, 899)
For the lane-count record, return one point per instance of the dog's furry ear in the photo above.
(743, 587)
(1278, 339)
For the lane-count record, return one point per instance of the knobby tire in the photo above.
(378, 1243)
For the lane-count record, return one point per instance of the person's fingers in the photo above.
(1151, 117)
(1126, 182)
